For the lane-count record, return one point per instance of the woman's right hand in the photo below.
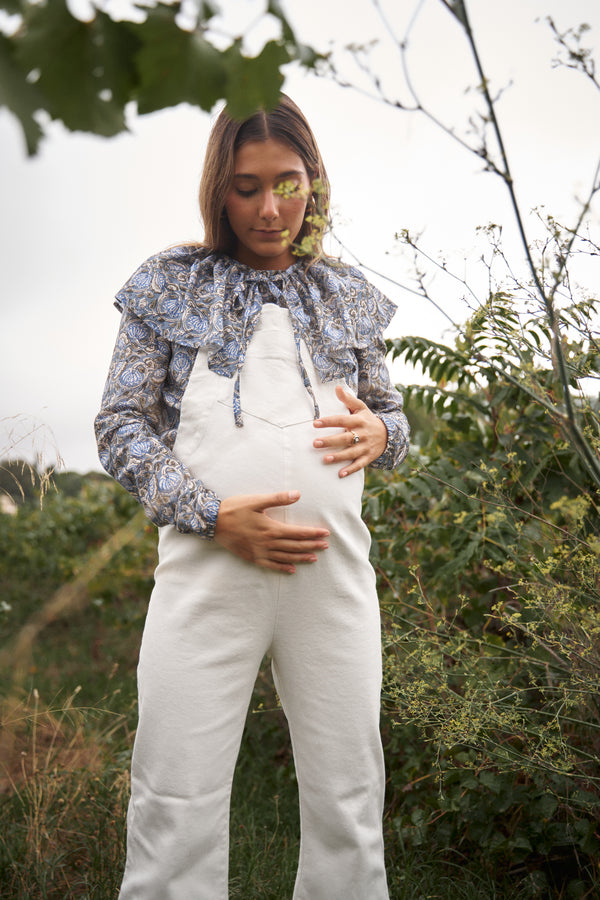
(245, 529)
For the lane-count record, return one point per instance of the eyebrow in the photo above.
(280, 175)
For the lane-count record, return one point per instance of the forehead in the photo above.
(268, 157)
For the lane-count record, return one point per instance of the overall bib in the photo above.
(212, 617)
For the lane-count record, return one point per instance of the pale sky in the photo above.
(76, 220)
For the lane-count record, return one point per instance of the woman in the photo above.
(247, 392)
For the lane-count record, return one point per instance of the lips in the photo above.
(267, 233)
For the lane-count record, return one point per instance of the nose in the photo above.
(269, 206)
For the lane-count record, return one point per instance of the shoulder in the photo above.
(167, 270)
(340, 277)
(345, 286)
(170, 292)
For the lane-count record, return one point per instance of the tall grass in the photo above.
(64, 797)
(64, 801)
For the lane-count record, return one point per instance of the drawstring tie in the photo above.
(237, 405)
(304, 373)
(248, 321)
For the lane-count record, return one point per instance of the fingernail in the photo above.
(318, 444)
(317, 423)
(343, 474)
(294, 495)
(328, 458)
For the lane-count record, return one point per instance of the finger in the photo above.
(278, 567)
(352, 402)
(276, 532)
(291, 551)
(297, 547)
(284, 563)
(351, 462)
(347, 455)
(341, 440)
(292, 558)
(260, 502)
(341, 420)
(336, 421)
(355, 466)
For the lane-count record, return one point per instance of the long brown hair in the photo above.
(285, 123)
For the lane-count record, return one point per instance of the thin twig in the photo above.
(423, 295)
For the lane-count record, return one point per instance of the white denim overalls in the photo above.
(212, 618)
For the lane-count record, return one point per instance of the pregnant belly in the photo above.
(273, 451)
(264, 458)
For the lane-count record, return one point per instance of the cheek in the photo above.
(236, 213)
(231, 207)
(297, 212)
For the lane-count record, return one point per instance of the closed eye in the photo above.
(288, 189)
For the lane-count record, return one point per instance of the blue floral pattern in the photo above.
(188, 297)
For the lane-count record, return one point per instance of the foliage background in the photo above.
(486, 549)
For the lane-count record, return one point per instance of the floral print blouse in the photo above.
(187, 298)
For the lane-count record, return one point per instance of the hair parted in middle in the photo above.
(285, 123)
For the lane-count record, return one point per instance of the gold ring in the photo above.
(355, 437)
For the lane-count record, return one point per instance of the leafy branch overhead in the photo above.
(84, 73)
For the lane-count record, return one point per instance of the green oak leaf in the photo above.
(254, 82)
(118, 45)
(19, 95)
(176, 66)
(12, 6)
(84, 69)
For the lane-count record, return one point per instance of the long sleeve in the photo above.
(376, 390)
(135, 431)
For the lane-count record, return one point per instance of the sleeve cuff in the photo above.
(199, 516)
(397, 442)
(210, 518)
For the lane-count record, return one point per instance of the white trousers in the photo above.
(212, 618)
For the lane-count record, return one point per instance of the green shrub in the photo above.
(487, 553)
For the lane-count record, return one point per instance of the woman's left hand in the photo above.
(359, 423)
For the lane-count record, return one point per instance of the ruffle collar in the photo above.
(199, 298)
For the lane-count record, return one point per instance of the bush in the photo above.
(487, 553)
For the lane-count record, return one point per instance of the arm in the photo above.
(377, 391)
(130, 428)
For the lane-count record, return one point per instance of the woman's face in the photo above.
(266, 203)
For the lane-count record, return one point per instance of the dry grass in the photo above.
(63, 800)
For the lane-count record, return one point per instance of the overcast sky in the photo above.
(76, 220)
